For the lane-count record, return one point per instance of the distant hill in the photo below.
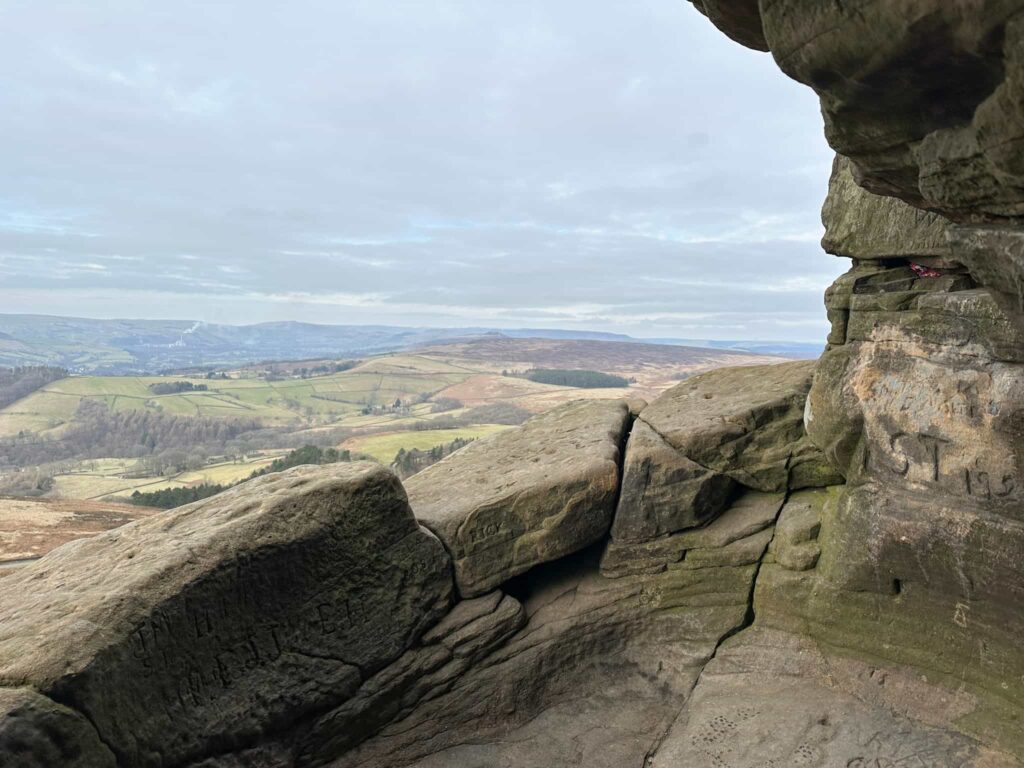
(85, 345)
(800, 350)
(613, 356)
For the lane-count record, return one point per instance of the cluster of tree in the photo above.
(414, 460)
(98, 431)
(278, 372)
(171, 462)
(307, 454)
(16, 383)
(322, 370)
(175, 497)
(442, 404)
(26, 482)
(575, 378)
(175, 387)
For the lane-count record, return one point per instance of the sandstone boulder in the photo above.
(36, 732)
(525, 496)
(861, 225)
(692, 449)
(210, 627)
(595, 673)
(663, 491)
(745, 422)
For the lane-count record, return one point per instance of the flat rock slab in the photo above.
(200, 630)
(771, 700)
(861, 225)
(604, 730)
(745, 422)
(525, 496)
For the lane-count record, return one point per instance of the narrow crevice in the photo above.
(631, 420)
(747, 622)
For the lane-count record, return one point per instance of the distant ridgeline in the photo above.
(175, 497)
(575, 378)
(16, 383)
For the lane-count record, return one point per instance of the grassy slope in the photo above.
(383, 447)
(334, 398)
(470, 372)
(98, 478)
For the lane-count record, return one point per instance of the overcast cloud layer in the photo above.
(559, 163)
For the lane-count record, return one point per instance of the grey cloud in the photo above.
(622, 166)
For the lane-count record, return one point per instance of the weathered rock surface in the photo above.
(795, 544)
(36, 732)
(597, 671)
(774, 699)
(744, 422)
(210, 627)
(739, 19)
(917, 402)
(663, 490)
(862, 225)
(746, 609)
(465, 636)
(525, 496)
(995, 257)
(696, 446)
(748, 515)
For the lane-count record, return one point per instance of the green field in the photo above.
(383, 447)
(336, 399)
(98, 478)
(461, 385)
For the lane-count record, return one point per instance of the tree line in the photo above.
(575, 378)
(409, 462)
(168, 498)
(97, 431)
(176, 387)
(16, 383)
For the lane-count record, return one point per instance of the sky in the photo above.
(539, 163)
